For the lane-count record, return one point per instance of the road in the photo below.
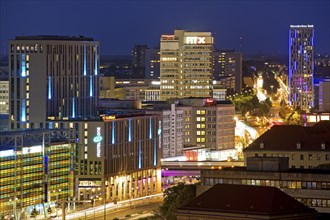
(137, 207)
(128, 213)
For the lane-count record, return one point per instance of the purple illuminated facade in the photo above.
(301, 66)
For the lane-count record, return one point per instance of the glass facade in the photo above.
(34, 174)
(301, 66)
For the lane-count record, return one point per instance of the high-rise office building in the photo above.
(52, 78)
(186, 64)
(152, 64)
(138, 60)
(228, 69)
(301, 66)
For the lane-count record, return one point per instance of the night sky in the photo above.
(118, 25)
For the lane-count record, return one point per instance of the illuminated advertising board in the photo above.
(31, 150)
(97, 139)
(7, 153)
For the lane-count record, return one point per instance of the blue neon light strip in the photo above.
(290, 65)
(91, 86)
(129, 130)
(140, 155)
(46, 164)
(23, 111)
(113, 133)
(155, 152)
(95, 67)
(49, 87)
(73, 109)
(85, 63)
(23, 69)
(150, 128)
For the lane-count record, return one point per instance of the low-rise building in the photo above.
(309, 186)
(306, 147)
(236, 202)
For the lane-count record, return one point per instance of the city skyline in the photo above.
(119, 25)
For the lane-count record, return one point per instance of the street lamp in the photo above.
(271, 87)
(14, 206)
(56, 203)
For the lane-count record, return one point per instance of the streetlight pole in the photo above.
(57, 203)
(14, 207)
(104, 201)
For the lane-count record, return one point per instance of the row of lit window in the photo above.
(275, 183)
(312, 202)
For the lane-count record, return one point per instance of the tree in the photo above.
(262, 109)
(294, 119)
(174, 198)
(285, 110)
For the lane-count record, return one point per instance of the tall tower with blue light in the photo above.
(301, 66)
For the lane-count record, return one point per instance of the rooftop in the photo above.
(28, 137)
(288, 137)
(54, 38)
(246, 199)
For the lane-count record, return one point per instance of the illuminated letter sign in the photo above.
(191, 40)
(201, 40)
(97, 139)
(195, 40)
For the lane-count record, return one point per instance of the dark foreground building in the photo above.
(228, 201)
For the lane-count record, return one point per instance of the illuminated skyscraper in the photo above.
(52, 78)
(186, 68)
(301, 66)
